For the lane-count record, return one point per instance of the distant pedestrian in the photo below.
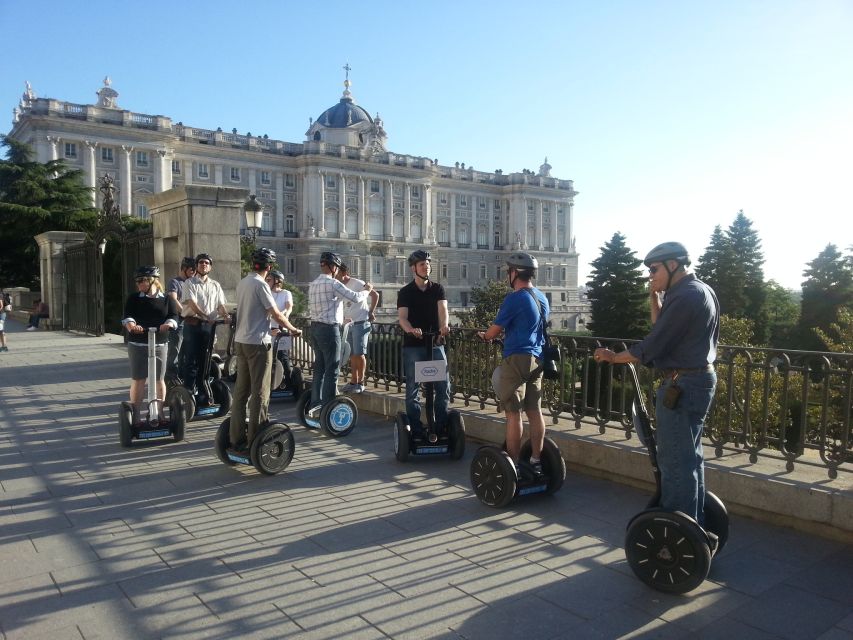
(40, 311)
(284, 301)
(4, 309)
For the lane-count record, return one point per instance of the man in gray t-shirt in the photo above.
(253, 348)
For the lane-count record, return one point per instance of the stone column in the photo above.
(430, 206)
(164, 170)
(54, 141)
(52, 245)
(407, 213)
(322, 195)
(303, 189)
(279, 203)
(217, 174)
(191, 219)
(89, 169)
(389, 210)
(126, 187)
(362, 213)
(342, 205)
(555, 245)
(570, 206)
(452, 219)
(490, 238)
(539, 226)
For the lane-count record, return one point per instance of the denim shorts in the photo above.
(138, 357)
(359, 332)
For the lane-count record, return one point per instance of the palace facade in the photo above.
(340, 189)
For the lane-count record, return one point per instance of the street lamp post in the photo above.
(254, 212)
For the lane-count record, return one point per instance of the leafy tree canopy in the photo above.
(486, 301)
(827, 290)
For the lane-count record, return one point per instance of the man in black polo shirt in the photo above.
(422, 306)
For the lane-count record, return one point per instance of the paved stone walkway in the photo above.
(163, 540)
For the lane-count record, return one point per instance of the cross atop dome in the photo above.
(347, 95)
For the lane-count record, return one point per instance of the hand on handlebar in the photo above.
(482, 336)
(295, 332)
(417, 333)
(443, 331)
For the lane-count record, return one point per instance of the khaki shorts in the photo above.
(515, 386)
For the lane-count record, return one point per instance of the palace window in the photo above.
(289, 180)
(374, 186)
(444, 271)
(107, 155)
(265, 177)
(141, 158)
(464, 271)
(416, 191)
(482, 272)
(463, 201)
(203, 170)
(331, 182)
(141, 211)
(176, 167)
(70, 149)
(235, 174)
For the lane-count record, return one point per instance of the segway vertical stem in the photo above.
(153, 404)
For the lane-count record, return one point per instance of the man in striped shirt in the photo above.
(326, 296)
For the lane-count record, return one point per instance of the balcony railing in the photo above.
(790, 405)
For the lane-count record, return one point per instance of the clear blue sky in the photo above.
(669, 116)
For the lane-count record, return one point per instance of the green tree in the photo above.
(300, 300)
(486, 301)
(783, 314)
(839, 336)
(618, 293)
(714, 263)
(36, 197)
(827, 290)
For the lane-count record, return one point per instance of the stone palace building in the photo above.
(340, 189)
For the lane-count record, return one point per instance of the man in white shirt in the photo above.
(284, 301)
(253, 348)
(325, 303)
(202, 301)
(359, 315)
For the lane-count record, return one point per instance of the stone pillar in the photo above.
(89, 169)
(342, 205)
(362, 211)
(217, 174)
(126, 188)
(539, 227)
(54, 141)
(279, 203)
(163, 170)
(430, 204)
(52, 245)
(570, 206)
(322, 196)
(197, 219)
(452, 219)
(407, 214)
(555, 245)
(389, 210)
(490, 238)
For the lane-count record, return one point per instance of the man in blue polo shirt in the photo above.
(518, 380)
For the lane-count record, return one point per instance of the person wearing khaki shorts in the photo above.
(518, 381)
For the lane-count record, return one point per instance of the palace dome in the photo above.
(344, 114)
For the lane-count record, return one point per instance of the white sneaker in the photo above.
(359, 388)
(31, 329)
(349, 388)
(314, 412)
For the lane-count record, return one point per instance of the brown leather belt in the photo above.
(192, 321)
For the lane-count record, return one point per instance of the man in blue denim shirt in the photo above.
(682, 346)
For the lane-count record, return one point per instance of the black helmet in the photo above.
(147, 272)
(668, 251)
(418, 256)
(263, 256)
(522, 261)
(188, 262)
(204, 256)
(331, 258)
(277, 276)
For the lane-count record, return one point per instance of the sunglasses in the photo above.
(653, 270)
(141, 280)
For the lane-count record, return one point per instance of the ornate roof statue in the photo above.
(545, 169)
(107, 95)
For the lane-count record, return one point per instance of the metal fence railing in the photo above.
(769, 402)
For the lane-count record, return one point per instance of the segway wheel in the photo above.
(231, 368)
(177, 419)
(716, 520)
(339, 417)
(221, 396)
(667, 550)
(302, 407)
(457, 435)
(182, 395)
(125, 424)
(553, 465)
(493, 477)
(273, 449)
(223, 441)
(402, 437)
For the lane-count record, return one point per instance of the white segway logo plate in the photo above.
(341, 417)
(430, 371)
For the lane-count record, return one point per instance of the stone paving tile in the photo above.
(427, 615)
(831, 577)
(525, 617)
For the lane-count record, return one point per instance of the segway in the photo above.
(284, 386)
(435, 439)
(339, 415)
(214, 390)
(669, 550)
(497, 481)
(270, 452)
(160, 419)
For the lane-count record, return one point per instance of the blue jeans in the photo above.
(679, 439)
(326, 339)
(411, 355)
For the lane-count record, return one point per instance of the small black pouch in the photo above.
(670, 396)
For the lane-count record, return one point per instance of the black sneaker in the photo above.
(536, 467)
(713, 542)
